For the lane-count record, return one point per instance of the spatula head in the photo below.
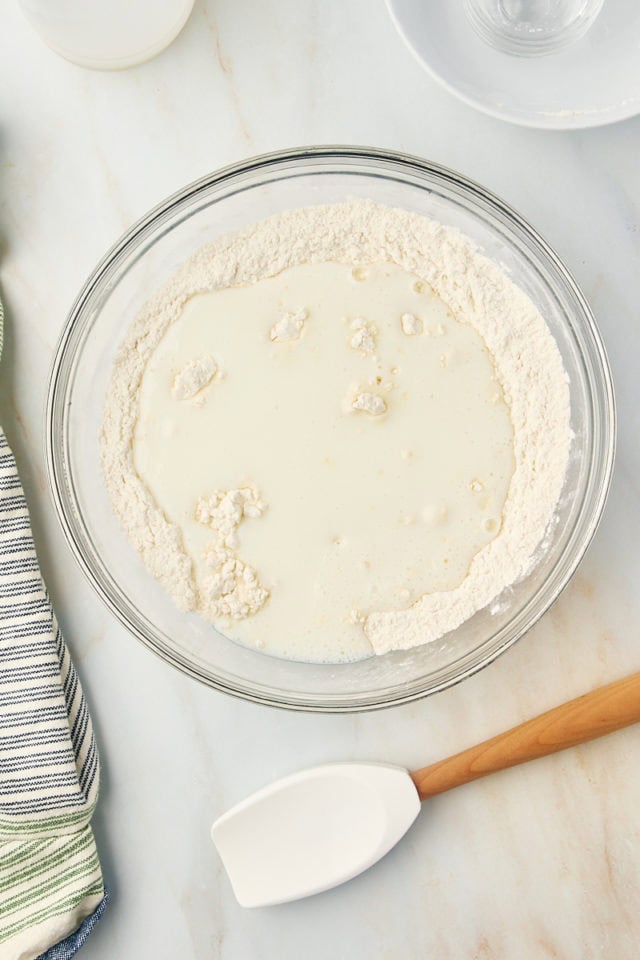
(314, 830)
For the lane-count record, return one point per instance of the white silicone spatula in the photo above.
(320, 827)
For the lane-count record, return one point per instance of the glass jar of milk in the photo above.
(107, 34)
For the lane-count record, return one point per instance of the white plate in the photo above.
(595, 81)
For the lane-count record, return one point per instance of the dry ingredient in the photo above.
(529, 377)
(194, 377)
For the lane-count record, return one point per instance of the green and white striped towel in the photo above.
(50, 877)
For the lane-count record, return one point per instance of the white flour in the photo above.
(364, 337)
(370, 403)
(193, 378)
(232, 588)
(289, 327)
(411, 326)
(528, 367)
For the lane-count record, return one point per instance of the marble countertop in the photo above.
(537, 862)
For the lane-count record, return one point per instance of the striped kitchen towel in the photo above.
(50, 878)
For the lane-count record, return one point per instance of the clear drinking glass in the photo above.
(529, 28)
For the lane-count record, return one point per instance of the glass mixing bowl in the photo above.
(142, 261)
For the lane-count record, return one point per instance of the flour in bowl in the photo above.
(340, 431)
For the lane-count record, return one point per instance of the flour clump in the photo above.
(194, 377)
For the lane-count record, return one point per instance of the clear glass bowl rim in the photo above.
(62, 363)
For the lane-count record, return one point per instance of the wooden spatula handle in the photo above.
(592, 715)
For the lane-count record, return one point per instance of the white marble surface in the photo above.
(538, 862)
